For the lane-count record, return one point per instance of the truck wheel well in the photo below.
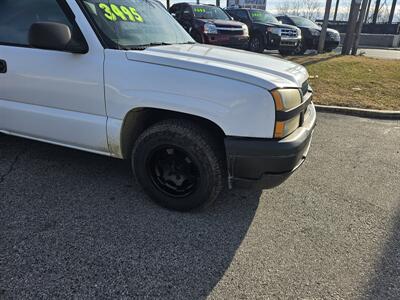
(139, 119)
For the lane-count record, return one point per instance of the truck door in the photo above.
(51, 95)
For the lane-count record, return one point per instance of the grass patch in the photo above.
(354, 81)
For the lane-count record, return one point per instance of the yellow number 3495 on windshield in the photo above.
(114, 13)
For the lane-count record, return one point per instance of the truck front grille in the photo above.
(230, 30)
(289, 33)
(304, 87)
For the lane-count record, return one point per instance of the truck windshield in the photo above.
(262, 17)
(135, 24)
(303, 22)
(209, 12)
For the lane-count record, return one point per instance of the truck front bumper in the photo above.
(289, 42)
(236, 41)
(266, 163)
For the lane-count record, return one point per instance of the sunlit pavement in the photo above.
(74, 224)
(377, 53)
(368, 52)
(381, 53)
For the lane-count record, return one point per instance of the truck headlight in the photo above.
(210, 28)
(245, 29)
(274, 30)
(285, 100)
(315, 32)
(284, 128)
(299, 33)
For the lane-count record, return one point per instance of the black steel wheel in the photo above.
(173, 171)
(256, 43)
(179, 164)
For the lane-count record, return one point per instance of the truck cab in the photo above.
(266, 32)
(122, 78)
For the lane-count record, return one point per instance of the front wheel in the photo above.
(300, 49)
(179, 165)
(256, 43)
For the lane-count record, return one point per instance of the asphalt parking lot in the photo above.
(73, 224)
(379, 53)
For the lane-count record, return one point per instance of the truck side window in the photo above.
(286, 20)
(242, 15)
(178, 11)
(16, 18)
(187, 10)
(174, 10)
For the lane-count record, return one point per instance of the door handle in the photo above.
(3, 66)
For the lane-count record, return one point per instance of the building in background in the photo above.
(255, 4)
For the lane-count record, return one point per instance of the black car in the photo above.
(209, 24)
(311, 33)
(266, 32)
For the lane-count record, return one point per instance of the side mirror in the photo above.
(54, 36)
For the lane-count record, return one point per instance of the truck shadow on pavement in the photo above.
(75, 224)
(385, 283)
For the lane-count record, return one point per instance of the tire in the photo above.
(300, 49)
(256, 43)
(179, 165)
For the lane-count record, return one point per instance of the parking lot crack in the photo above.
(12, 165)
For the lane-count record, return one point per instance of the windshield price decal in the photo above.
(114, 13)
(200, 10)
(256, 14)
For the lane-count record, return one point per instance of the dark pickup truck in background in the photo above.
(311, 32)
(209, 24)
(266, 32)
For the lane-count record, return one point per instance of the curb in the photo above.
(360, 112)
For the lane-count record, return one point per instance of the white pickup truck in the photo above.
(122, 78)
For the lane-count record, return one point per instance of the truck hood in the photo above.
(261, 70)
(287, 26)
(223, 23)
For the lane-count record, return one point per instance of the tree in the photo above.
(392, 11)
(322, 37)
(381, 12)
(310, 9)
(283, 7)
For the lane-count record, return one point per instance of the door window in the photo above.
(242, 15)
(177, 10)
(187, 10)
(286, 20)
(16, 18)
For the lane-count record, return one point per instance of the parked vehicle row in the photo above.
(252, 29)
(266, 32)
(311, 32)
